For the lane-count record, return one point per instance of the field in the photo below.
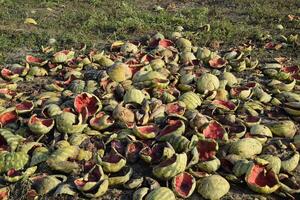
(220, 25)
(97, 23)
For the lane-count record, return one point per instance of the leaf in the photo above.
(30, 21)
(281, 59)
(116, 44)
(293, 17)
(47, 49)
(278, 46)
(273, 46)
(158, 8)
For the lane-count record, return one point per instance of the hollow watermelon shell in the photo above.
(170, 167)
(89, 101)
(146, 132)
(261, 180)
(183, 185)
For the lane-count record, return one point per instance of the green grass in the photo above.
(97, 22)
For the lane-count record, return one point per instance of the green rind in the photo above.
(168, 172)
(161, 193)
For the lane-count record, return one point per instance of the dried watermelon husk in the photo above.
(132, 151)
(217, 62)
(261, 180)
(207, 149)
(225, 105)
(173, 127)
(8, 116)
(39, 125)
(90, 179)
(214, 130)
(113, 161)
(89, 101)
(175, 108)
(101, 121)
(24, 107)
(35, 60)
(170, 167)
(149, 131)
(157, 153)
(184, 184)
(7, 74)
(4, 193)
